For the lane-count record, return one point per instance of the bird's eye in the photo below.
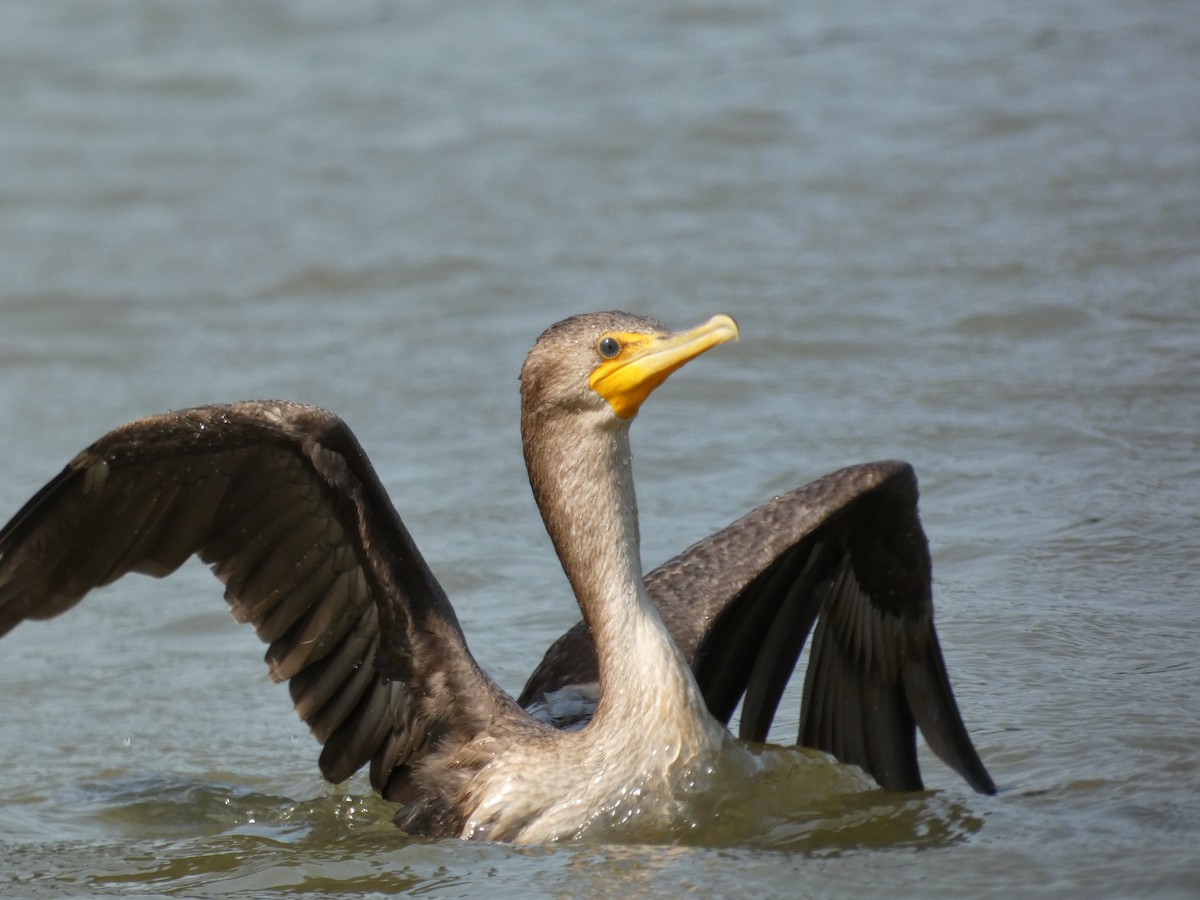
(608, 347)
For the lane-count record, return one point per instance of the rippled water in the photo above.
(963, 234)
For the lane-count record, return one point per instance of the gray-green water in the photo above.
(966, 234)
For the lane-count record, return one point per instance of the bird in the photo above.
(624, 722)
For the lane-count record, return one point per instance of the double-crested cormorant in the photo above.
(281, 501)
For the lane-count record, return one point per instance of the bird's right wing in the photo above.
(282, 502)
(844, 559)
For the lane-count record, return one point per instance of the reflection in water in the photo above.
(811, 805)
(209, 839)
(155, 807)
(177, 836)
(879, 821)
(805, 802)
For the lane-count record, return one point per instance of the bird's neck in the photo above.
(583, 484)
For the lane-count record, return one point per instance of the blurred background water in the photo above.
(964, 234)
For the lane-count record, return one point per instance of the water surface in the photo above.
(960, 234)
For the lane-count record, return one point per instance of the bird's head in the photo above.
(608, 363)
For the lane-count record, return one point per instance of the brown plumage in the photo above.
(282, 502)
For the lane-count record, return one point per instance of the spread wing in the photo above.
(844, 559)
(282, 502)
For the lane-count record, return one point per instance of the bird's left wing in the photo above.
(282, 502)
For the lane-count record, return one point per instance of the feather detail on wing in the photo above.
(283, 504)
(844, 559)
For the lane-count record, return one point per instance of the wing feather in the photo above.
(281, 502)
(845, 559)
